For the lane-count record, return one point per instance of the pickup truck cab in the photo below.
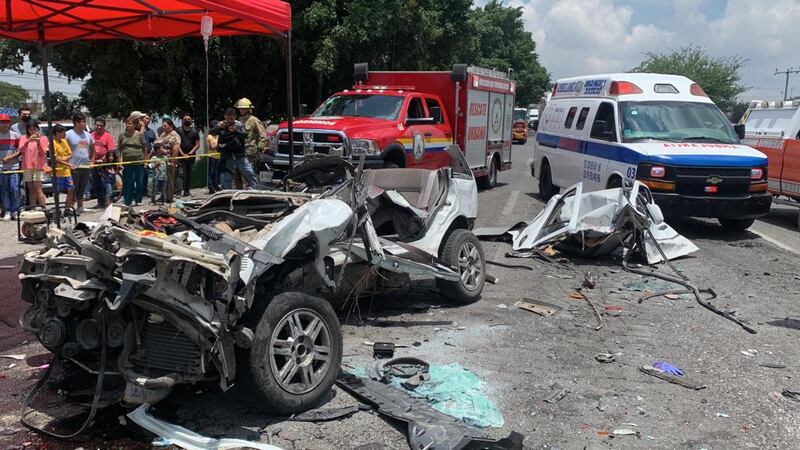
(663, 130)
(407, 120)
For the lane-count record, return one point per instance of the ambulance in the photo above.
(663, 130)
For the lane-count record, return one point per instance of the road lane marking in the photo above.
(511, 203)
(776, 242)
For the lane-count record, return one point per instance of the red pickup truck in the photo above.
(408, 119)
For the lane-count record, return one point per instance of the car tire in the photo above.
(463, 250)
(546, 187)
(490, 180)
(390, 165)
(319, 355)
(736, 224)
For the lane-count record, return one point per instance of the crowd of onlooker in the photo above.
(139, 161)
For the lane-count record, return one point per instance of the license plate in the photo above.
(265, 176)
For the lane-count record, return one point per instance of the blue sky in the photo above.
(579, 37)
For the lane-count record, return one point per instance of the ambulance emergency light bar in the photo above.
(615, 88)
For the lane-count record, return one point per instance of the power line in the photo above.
(787, 72)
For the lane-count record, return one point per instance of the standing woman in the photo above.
(132, 147)
(171, 142)
(33, 148)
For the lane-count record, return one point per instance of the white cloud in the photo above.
(576, 37)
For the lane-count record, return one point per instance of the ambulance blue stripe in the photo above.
(628, 155)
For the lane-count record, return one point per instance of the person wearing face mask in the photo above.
(190, 142)
(24, 116)
(230, 143)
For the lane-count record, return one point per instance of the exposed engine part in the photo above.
(164, 347)
(52, 334)
(88, 334)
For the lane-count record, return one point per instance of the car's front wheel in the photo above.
(296, 353)
(463, 250)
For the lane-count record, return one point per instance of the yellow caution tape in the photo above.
(121, 163)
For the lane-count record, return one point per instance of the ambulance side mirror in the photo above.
(739, 129)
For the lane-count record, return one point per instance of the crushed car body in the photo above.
(597, 223)
(238, 289)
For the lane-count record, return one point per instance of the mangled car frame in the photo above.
(239, 287)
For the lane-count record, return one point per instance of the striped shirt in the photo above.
(9, 142)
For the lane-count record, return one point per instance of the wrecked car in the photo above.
(239, 288)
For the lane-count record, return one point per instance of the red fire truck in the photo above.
(773, 127)
(408, 119)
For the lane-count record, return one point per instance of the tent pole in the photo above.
(289, 100)
(48, 104)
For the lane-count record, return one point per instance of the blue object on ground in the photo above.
(668, 368)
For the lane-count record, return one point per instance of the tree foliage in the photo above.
(328, 37)
(12, 95)
(719, 77)
(62, 107)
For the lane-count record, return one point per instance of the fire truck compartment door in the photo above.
(477, 124)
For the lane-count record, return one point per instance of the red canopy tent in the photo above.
(48, 22)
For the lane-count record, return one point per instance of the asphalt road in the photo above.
(524, 359)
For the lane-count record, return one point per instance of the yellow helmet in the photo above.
(244, 103)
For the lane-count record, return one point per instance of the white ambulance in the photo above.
(663, 130)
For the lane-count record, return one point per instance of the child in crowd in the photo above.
(63, 166)
(158, 165)
(33, 149)
(109, 175)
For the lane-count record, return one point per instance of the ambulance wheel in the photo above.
(736, 224)
(463, 250)
(546, 188)
(490, 180)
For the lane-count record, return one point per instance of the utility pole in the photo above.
(787, 72)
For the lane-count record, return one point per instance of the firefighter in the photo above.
(255, 141)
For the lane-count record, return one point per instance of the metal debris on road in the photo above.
(773, 365)
(658, 373)
(559, 395)
(793, 395)
(492, 279)
(187, 439)
(588, 280)
(16, 357)
(605, 357)
(625, 432)
(539, 307)
(325, 414)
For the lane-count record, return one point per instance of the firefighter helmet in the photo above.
(244, 103)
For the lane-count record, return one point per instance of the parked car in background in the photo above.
(533, 118)
(663, 130)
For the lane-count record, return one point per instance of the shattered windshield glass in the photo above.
(675, 121)
(368, 105)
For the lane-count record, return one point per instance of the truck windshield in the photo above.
(368, 105)
(675, 121)
(520, 114)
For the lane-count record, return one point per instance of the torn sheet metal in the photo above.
(597, 223)
(188, 439)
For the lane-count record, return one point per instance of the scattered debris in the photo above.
(668, 368)
(588, 280)
(723, 415)
(7, 267)
(576, 295)
(502, 306)
(184, 438)
(773, 365)
(17, 357)
(649, 370)
(613, 310)
(492, 279)
(427, 427)
(325, 414)
(410, 323)
(416, 380)
(794, 395)
(672, 296)
(605, 357)
(559, 395)
(539, 307)
(594, 310)
(624, 432)
(382, 350)
(749, 352)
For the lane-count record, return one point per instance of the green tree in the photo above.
(62, 106)
(719, 77)
(12, 95)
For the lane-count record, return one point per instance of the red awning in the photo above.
(70, 20)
